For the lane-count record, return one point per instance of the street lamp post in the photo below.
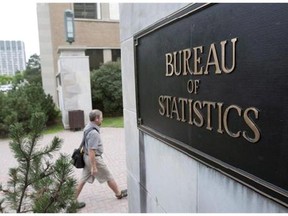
(69, 26)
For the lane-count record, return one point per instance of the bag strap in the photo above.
(85, 134)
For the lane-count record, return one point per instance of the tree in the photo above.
(19, 104)
(33, 70)
(106, 88)
(4, 79)
(34, 62)
(18, 79)
(37, 184)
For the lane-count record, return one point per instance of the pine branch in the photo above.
(54, 198)
(26, 184)
(44, 188)
(26, 176)
(36, 121)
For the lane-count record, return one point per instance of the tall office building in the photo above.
(12, 57)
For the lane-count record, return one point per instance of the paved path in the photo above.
(99, 198)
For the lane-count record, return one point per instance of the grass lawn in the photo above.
(116, 122)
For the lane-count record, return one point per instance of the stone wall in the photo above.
(160, 178)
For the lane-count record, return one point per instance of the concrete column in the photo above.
(75, 90)
(46, 51)
(105, 11)
(107, 55)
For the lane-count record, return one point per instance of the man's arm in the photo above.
(92, 153)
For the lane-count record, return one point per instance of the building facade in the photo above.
(66, 67)
(173, 175)
(96, 32)
(12, 57)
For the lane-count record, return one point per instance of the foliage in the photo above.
(32, 74)
(4, 79)
(33, 70)
(18, 105)
(106, 88)
(37, 184)
(18, 79)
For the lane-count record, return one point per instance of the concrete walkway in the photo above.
(99, 198)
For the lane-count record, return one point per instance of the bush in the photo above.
(18, 105)
(106, 88)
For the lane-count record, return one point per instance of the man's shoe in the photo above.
(122, 194)
(80, 205)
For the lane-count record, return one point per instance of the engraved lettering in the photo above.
(183, 102)
(198, 114)
(209, 117)
(223, 56)
(162, 107)
(252, 125)
(225, 120)
(197, 60)
(169, 65)
(174, 109)
(219, 107)
(186, 57)
(212, 52)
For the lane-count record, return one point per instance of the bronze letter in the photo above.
(215, 62)
(252, 125)
(174, 108)
(225, 120)
(197, 60)
(168, 100)
(177, 73)
(198, 113)
(186, 57)
(162, 107)
(220, 130)
(209, 104)
(223, 55)
(169, 60)
(190, 111)
(182, 100)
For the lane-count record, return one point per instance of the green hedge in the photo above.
(106, 88)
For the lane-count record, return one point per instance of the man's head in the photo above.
(96, 116)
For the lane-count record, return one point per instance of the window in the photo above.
(2, 46)
(86, 10)
(8, 45)
(19, 45)
(116, 54)
(13, 45)
(96, 58)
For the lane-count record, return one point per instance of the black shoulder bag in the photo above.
(78, 154)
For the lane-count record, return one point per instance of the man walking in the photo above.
(95, 167)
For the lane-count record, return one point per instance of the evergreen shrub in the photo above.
(18, 105)
(106, 88)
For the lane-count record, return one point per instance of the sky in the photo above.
(18, 21)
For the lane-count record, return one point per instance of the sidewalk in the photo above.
(99, 198)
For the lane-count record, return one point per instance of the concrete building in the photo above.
(167, 175)
(66, 67)
(12, 57)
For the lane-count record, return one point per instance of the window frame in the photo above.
(97, 15)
